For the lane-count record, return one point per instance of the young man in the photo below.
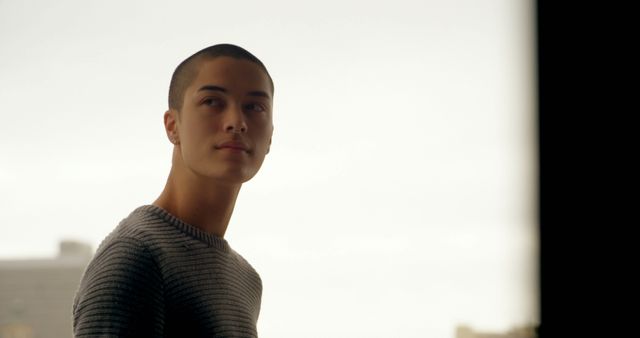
(166, 270)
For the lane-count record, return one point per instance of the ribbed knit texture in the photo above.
(156, 276)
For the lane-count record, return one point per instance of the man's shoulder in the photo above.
(123, 281)
(136, 232)
(142, 223)
(122, 255)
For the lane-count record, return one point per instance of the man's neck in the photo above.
(207, 205)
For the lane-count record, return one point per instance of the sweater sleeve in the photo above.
(120, 294)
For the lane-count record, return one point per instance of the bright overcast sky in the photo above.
(398, 197)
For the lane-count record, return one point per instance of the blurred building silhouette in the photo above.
(36, 295)
(463, 331)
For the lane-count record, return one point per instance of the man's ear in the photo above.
(270, 138)
(171, 126)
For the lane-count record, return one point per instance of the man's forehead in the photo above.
(236, 75)
(225, 68)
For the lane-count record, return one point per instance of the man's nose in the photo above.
(235, 120)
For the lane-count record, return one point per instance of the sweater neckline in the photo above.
(191, 230)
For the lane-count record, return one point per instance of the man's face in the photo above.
(225, 124)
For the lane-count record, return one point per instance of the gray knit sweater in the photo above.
(156, 276)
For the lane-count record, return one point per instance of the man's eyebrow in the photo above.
(257, 93)
(212, 87)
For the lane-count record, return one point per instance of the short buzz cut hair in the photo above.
(187, 70)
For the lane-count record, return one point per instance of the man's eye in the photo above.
(211, 102)
(254, 107)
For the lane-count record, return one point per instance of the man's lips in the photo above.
(235, 145)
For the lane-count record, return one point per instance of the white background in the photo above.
(398, 199)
